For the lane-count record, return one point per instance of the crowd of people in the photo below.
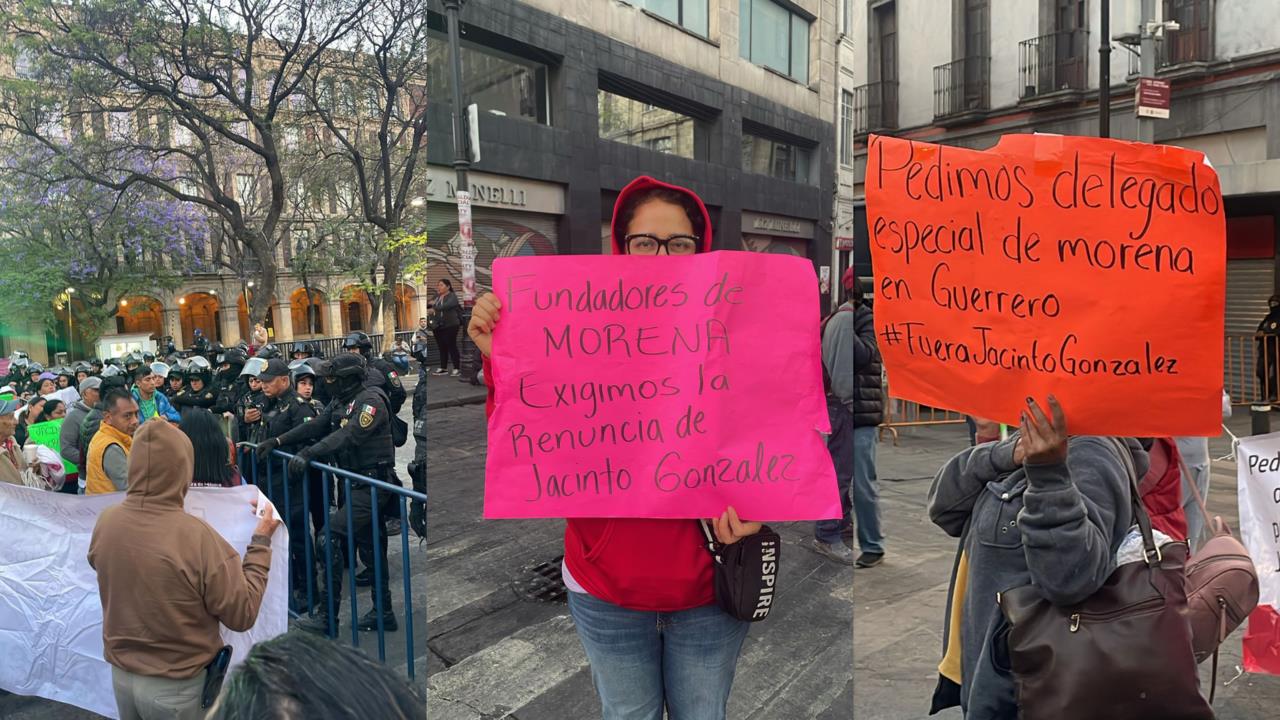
(210, 417)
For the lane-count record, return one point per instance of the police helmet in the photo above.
(235, 357)
(300, 369)
(253, 367)
(198, 367)
(344, 365)
(357, 339)
(268, 352)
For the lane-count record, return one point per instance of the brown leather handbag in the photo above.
(1222, 587)
(1123, 654)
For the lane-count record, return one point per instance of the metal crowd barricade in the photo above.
(277, 471)
(899, 413)
(1251, 368)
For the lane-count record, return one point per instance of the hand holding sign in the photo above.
(484, 317)
(659, 388)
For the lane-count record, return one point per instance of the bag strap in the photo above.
(1140, 516)
(1214, 521)
(712, 545)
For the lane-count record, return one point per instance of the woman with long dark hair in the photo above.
(213, 451)
(447, 311)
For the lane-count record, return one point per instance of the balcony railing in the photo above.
(875, 107)
(962, 86)
(1052, 63)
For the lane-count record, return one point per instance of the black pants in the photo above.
(362, 530)
(447, 341)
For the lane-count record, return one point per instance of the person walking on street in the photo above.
(849, 350)
(353, 432)
(107, 460)
(162, 601)
(641, 590)
(839, 381)
(448, 313)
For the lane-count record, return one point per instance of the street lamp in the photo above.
(70, 335)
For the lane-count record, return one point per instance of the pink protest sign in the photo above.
(658, 387)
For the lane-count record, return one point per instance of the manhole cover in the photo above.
(542, 582)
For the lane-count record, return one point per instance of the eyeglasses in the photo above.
(646, 244)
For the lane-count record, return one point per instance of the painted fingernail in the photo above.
(1030, 400)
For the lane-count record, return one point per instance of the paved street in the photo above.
(494, 655)
(899, 606)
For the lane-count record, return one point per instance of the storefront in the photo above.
(510, 216)
(777, 234)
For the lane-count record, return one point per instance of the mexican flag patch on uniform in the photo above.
(366, 415)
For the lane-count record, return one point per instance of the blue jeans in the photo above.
(839, 444)
(866, 490)
(642, 662)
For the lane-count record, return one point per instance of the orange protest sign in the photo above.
(1087, 268)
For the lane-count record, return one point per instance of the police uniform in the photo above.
(418, 468)
(355, 435)
(280, 415)
(381, 374)
(186, 397)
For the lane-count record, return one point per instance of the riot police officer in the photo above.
(304, 384)
(283, 411)
(379, 373)
(418, 468)
(231, 386)
(304, 350)
(198, 391)
(355, 434)
(248, 411)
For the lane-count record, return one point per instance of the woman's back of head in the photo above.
(212, 453)
(300, 675)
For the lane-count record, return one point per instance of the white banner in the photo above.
(50, 613)
(1258, 469)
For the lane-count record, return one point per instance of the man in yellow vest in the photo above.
(107, 462)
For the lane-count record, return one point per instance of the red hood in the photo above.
(644, 182)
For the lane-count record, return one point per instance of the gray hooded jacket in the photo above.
(1054, 526)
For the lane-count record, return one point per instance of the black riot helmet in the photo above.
(302, 351)
(198, 368)
(299, 369)
(358, 341)
(344, 375)
(268, 352)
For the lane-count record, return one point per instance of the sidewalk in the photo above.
(445, 391)
(899, 606)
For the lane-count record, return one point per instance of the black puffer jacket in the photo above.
(868, 393)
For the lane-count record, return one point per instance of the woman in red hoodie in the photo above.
(641, 590)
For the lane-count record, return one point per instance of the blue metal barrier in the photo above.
(277, 469)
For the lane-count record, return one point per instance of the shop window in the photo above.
(498, 82)
(688, 14)
(782, 160)
(635, 122)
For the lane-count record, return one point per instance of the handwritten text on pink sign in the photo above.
(658, 388)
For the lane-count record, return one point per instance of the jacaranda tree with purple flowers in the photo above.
(78, 234)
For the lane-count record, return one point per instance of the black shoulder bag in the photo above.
(746, 573)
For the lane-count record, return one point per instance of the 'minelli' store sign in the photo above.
(498, 191)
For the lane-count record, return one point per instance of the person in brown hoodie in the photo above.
(167, 579)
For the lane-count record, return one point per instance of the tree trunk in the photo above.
(390, 275)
